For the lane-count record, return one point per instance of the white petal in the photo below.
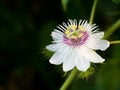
(92, 55)
(54, 47)
(97, 35)
(69, 63)
(57, 35)
(98, 44)
(59, 56)
(81, 62)
(88, 28)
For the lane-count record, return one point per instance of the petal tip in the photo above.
(83, 69)
(102, 60)
(106, 46)
(65, 69)
(47, 47)
(52, 61)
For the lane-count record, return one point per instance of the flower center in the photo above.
(75, 35)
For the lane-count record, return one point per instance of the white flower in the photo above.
(74, 44)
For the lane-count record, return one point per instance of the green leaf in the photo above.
(64, 4)
(116, 1)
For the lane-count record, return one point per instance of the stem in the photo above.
(115, 42)
(112, 29)
(69, 79)
(93, 11)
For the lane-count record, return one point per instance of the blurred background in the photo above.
(25, 31)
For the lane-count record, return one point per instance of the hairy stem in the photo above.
(115, 42)
(93, 11)
(69, 79)
(112, 29)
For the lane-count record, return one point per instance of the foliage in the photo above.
(116, 1)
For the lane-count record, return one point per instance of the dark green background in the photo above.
(25, 30)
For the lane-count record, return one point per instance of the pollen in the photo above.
(74, 31)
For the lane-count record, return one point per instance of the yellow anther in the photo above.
(67, 32)
(73, 32)
(81, 28)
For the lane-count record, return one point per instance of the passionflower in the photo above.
(75, 43)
